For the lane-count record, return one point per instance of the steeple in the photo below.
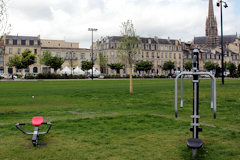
(211, 27)
(210, 9)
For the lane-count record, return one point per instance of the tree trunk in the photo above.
(131, 86)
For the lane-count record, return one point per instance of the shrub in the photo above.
(56, 76)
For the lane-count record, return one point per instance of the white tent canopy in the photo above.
(95, 72)
(78, 71)
(65, 70)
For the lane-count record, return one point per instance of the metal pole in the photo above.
(92, 54)
(222, 43)
(182, 91)
(71, 63)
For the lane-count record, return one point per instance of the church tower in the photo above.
(211, 27)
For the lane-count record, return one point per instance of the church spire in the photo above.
(210, 9)
(211, 27)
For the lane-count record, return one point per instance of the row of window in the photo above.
(147, 55)
(22, 42)
(166, 55)
(10, 51)
(71, 55)
(166, 48)
(145, 47)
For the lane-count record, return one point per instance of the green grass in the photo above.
(101, 120)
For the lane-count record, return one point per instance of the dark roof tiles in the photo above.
(22, 37)
(144, 40)
(226, 39)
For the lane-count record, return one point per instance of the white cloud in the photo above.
(70, 19)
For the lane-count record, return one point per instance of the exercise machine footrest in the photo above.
(194, 143)
(199, 129)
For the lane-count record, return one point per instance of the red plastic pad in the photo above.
(37, 121)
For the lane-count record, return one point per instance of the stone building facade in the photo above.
(16, 45)
(70, 52)
(213, 55)
(156, 50)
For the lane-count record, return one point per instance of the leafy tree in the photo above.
(116, 66)
(28, 58)
(169, 65)
(86, 65)
(102, 62)
(52, 61)
(45, 58)
(15, 61)
(144, 66)
(139, 66)
(147, 66)
(210, 66)
(22, 61)
(56, 63)
(232, 68)
(188, 66)
(128, 46)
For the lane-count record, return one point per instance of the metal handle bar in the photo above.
(213, 94)
(48, 123)
(18, 124)
(212, 84)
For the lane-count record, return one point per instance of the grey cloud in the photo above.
(96, 4)
(67, 6)
(32, 11)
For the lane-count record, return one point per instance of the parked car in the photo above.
(4, 75)
(170, 75)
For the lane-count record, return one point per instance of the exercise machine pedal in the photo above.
(194, 143)
(198, 129)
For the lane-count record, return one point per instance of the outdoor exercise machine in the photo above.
(195, 143)
(36, 122)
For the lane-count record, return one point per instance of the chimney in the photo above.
(168, 39)
(149, 41)
(156, 39)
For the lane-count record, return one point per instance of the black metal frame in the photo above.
(35, 133)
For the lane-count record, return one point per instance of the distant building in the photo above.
(213, 55)
(156, 50)
(70, 52)
(16, 45)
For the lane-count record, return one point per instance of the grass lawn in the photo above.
(101, 120)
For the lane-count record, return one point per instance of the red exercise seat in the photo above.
(37, 121)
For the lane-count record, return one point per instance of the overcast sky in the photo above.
(70, 19)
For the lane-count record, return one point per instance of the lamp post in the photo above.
(92, 29)
(220, 4)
